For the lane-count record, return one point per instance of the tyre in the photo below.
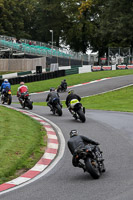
(23, 105)
(58, 110)
(9, 101)
(2, 100)
(59, 90)
(92, 168)
(30, 106)
(81, 115)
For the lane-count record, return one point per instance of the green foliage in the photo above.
(49, 17)
(16, 18)
(95, 24)
(115, 23)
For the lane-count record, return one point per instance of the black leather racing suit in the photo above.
(63, 85)
(50, 98)
(70, 97)
(76, 142)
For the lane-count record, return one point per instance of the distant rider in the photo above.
(63, 84)
(77, 142)
(51, 95)
(72, 99)
(5, 85)
(21, 90)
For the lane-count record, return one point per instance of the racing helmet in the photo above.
(64, 79)
(6, 80)
(73, 133)
(22, 83)
(70, 91)
(52, 89)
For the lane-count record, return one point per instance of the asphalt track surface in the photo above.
(114, 131)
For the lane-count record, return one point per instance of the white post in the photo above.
(52, 38)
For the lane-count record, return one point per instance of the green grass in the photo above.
(119, 100)
(71, 80)
(21, 143)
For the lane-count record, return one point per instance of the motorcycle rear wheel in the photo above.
(58, 110)
(92, 168)
(30, 106)
(2, 100)
(59, 90)
(9, 101)
(81, 116)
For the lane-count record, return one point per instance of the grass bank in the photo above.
(71, 80)
(22, 143)
(119, 100)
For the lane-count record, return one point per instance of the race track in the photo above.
(114, 132)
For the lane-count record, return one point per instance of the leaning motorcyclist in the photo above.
(21, 90)
(5, 85)
(72, 99)
(77, 142)
(51, 95)
(63, 84)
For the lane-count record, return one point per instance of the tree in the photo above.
(49, 17)
(77, 26)
(16, 18)
(116, 24)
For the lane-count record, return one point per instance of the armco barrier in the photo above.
(71, 71)
(24, 73)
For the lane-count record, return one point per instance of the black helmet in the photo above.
(70, 91)
(73, 133)
(52, 89)
(64, 79)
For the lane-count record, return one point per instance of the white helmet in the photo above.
(21, 83)
(6, 80)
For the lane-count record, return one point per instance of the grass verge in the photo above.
(22, 143)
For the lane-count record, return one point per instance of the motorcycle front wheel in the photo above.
(92, 168)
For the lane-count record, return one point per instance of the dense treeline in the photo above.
(82, 24)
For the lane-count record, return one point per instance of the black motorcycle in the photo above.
(62, 89)
(92, 158)
(6, 97)
(78, 112)
(56, 107)
(25, 101)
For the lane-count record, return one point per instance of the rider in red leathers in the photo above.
(21, 90)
